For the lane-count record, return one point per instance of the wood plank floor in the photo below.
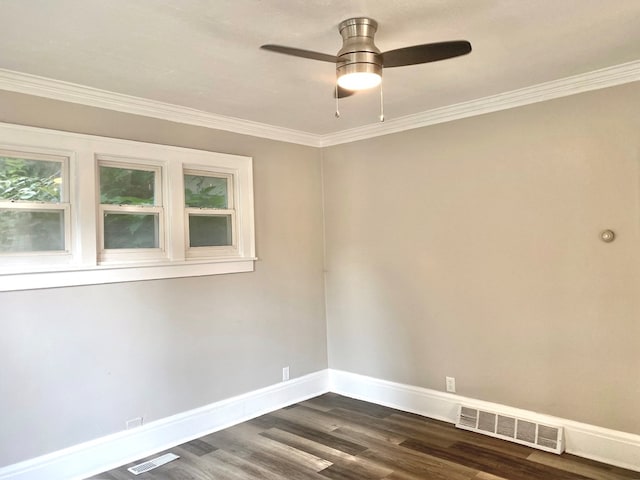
(334, 437)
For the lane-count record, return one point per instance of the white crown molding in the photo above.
(601, 444)
(70, 92)
(564, 87)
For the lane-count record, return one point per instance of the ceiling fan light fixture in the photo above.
(359, 81)
(359, 76)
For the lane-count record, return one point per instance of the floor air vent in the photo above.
(514, 429)
(153, 463)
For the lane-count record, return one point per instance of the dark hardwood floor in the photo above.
(334, 437)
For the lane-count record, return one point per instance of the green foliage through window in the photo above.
(130, 230)
(30, 180)
(126, 186)
(210, 230)
(204, 191)
(31, 231)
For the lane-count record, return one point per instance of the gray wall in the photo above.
(75, 363)
(467, 249)
(471, 249)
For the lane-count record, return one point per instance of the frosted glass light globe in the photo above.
(359, 80)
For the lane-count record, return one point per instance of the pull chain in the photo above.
(337, 106)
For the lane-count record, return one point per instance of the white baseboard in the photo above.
(589, 441)
(93, 457)
(87, 459)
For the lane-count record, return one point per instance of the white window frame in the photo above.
(50, 257)
(132, 255)
(86, 262)
(220, 251)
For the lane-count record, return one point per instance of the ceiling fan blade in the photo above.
(343, 92)
(297, 52)
(429, 52)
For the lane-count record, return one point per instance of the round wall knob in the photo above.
(608, 236)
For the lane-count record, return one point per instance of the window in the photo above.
(209, 208)
(34, 207)
(77, 209)
(131, 216)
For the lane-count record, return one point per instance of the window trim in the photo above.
(83, 265)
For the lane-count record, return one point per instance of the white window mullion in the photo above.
(174, 186)
(33, 206)
(83, 200)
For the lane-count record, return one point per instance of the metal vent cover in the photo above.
(506, 426)
(468, 417)
(514, 429)
(153, 463)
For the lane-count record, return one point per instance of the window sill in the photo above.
(122, 273)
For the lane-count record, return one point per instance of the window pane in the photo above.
(209, 230)
(202, 191)
(130, 230)
(126, 186)
(30, 180)
(31, 231)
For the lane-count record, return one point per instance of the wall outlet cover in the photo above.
(451, 384)
(133, 423)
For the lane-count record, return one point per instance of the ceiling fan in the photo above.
(359, 62)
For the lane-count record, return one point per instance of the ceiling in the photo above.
(205, 55)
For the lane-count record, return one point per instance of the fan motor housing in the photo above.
(359, 52)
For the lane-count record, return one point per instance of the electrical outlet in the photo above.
(451, 384)
(285, 374)
(133, 423)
